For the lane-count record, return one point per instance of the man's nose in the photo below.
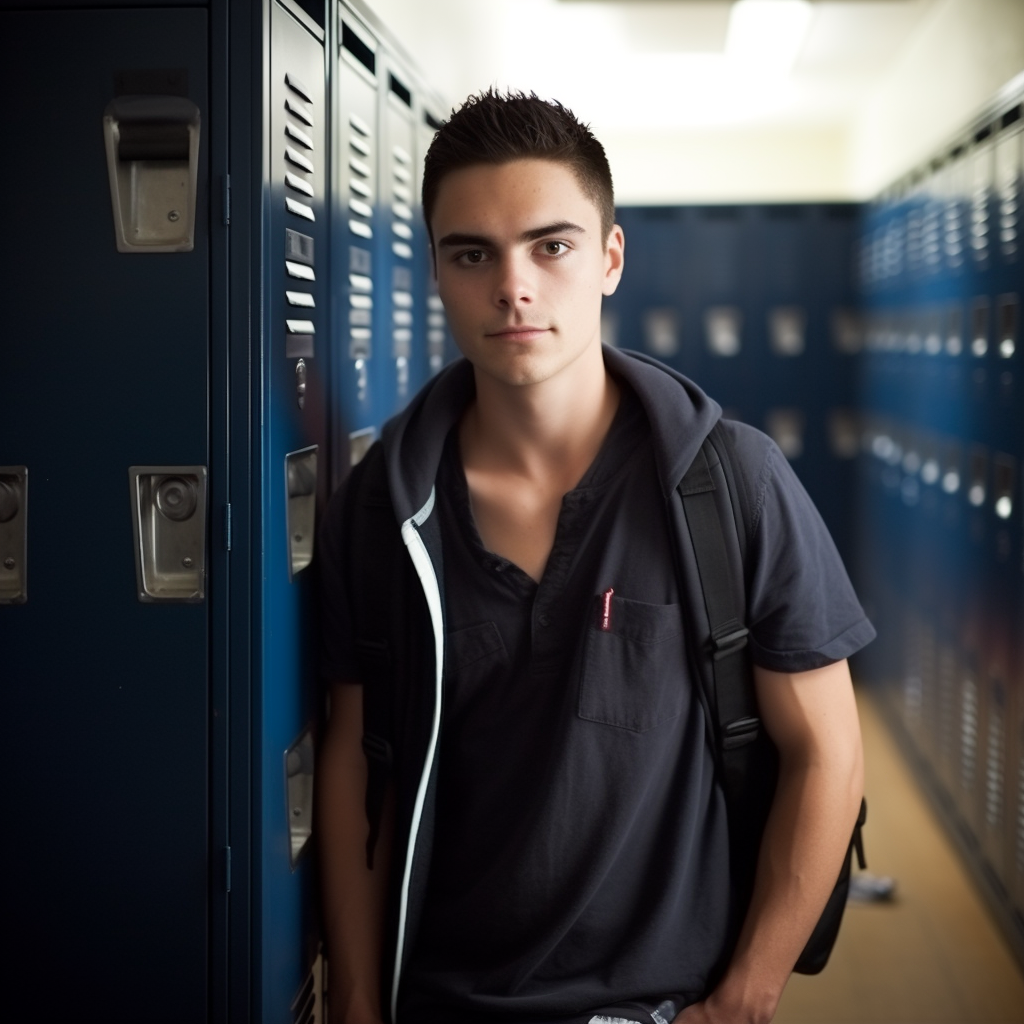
(514, 283)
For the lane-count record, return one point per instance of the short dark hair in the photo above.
(495, 128)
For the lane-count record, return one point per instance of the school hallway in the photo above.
(933, 955)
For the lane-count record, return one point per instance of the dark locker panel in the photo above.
(105, 367)
(758, 305)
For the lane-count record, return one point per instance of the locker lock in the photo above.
(300, 383)
(176, 499)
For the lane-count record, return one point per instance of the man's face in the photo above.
(521, 268)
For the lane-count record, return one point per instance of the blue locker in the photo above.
(109, 669)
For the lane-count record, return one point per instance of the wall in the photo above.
(962, 54)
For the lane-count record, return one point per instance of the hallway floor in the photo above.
(933, 955)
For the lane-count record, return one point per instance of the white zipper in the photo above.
(428, 580)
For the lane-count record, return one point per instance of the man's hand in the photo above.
(812, 719)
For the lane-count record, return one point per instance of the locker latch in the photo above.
(153, 164)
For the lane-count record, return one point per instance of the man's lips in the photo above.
(518, 332)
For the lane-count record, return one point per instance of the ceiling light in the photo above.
(768, 34)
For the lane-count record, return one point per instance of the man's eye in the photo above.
(555, 248)
(473, 256)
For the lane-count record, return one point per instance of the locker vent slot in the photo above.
(300, 110)
(931, 244)
(981, 175)
(298, 135)
(1009, 169)
(995, 776)
(432, 121)
(913, 682)
(947, 688)
(295, 157)
(968, 734)
(400, 90)
(355, 46)
(298, 341)
(1020, 810)
(296, 85)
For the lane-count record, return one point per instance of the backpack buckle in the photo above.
(740, 733)
(730, 643)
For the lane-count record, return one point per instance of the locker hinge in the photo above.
(227, 200)
(227, 869)
(227, 527)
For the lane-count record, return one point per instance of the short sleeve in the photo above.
(802, 610)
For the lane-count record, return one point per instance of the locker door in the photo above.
(397, 256)
(356, 410)
(104, 367)
(294, 472)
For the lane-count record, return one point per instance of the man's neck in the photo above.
(547, 432)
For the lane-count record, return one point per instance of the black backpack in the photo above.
(746, 758)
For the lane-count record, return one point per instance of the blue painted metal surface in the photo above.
(105, 699)
(941, 506)
(762, 264)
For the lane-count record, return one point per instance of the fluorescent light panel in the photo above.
(768, 33)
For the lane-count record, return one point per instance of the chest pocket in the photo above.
(634, 673)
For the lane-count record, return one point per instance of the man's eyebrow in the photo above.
(561, 227)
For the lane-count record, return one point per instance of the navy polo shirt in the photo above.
(580, 850)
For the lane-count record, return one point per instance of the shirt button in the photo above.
(498, 567)
(544, 620)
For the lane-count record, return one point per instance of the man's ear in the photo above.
(614, 260)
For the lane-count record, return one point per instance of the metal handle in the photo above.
(169, 528)
(153, 165)
(300, 480)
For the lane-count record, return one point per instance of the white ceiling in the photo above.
(653, 63)
(876, 87)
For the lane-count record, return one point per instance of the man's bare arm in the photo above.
(353, 895)
(812, 718)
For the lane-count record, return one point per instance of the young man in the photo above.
(553, 846)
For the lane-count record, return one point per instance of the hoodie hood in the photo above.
(680, 414)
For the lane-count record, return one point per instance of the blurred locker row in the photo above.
(879, 346)
(941, 546)
(220, 291)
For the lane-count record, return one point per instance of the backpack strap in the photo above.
(745, 753)
(373, 559)
(733, 700)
